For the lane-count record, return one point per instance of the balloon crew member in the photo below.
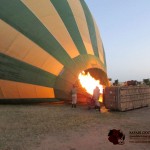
(74, 96)
(96, 95)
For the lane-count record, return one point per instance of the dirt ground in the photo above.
(60, 127)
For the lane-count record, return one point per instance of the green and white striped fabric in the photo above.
(44, 45)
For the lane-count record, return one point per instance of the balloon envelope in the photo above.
(44, 46)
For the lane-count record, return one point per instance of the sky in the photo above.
(124, 27)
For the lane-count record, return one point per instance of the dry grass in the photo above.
(50, 127)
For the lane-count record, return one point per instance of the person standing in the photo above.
(74, 96)
(96, 95)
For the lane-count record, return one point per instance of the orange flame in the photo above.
(89, 83)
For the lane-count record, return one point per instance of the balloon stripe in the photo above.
(70, 23)
(82, 24)
(91, 27)
(12, 90)
(99, 43)
(15, 70)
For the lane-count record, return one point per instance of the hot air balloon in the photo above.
(44, 45)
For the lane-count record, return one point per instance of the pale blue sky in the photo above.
(124, 27)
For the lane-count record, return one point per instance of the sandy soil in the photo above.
(60, 127)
